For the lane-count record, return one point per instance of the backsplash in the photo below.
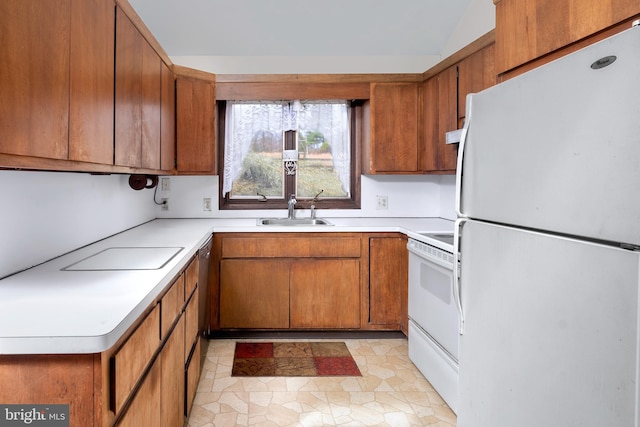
(408, 196)
(46, 214)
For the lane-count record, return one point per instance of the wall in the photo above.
(478, 19)
(408, 196)
(46, 214)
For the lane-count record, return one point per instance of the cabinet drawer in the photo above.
(191, 278)
(171, 304)
(128, 364)
(193, 375)
(191, 325)
(271, 246)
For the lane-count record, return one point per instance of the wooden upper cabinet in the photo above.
(91, 81)
(195, 126)
(57, 80)
(529, 29)
(137, 98)
(34, 78)
(128, 92)
(447, 118)
(393, 139)
(167, 119)
(151, 102)
(475, 73)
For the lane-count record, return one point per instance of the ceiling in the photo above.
(301, 27)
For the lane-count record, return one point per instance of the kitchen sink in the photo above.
(293, 222)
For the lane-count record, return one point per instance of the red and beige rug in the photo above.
(293, 359)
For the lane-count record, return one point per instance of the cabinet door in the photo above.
(388, 281)
(34, 78)
(325, 293)
(254, 293)
(530, 29)
(475, 73)
(128, 92)
(91, 70)
(429, 151)
(167, 119)
(447, 117)
(195, 122)
(394, 128)
(137, 103)
(173, 380)
(150, 107)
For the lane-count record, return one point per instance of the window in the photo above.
(275, 149)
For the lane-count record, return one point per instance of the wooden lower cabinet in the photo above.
(388, 281)
(307, 281)
(53, 379)
(254, 293)
(172, 390)
(140, 381)
(144, 409)
(325, 294)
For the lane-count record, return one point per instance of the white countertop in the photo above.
(48, 310)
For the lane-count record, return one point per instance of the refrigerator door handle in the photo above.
(456, 269)
(461, 146)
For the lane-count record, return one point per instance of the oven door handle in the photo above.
(456, 270)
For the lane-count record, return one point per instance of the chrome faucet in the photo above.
(292, 203)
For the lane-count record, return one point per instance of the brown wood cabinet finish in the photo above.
(137, 98)
(34, 100)
(190, 325)
(325, 294)
(128, 92)
(283, 245)
(144, 409)
(475, 73)
(193, 375)
(393, 138)
(254, 293)
(196, 126)
(52, 379)
(530, 29)
(388, 281)
(167, 119)
(447, 118)
(131, 360)
(172, 389)
(150, 107)
(171, 306)
(309, 281)
(91, 71)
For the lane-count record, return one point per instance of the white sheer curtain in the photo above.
(331, 119)
(247, 120)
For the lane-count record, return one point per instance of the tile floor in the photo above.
(390, 392)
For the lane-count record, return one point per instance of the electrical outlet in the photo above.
(165, 184)
(206, 204)
(165, 204)
(382, 202)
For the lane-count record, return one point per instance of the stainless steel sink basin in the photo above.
(293, 222)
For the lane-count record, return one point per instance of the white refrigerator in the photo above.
(548, 236)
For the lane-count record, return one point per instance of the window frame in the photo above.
(353, 202)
